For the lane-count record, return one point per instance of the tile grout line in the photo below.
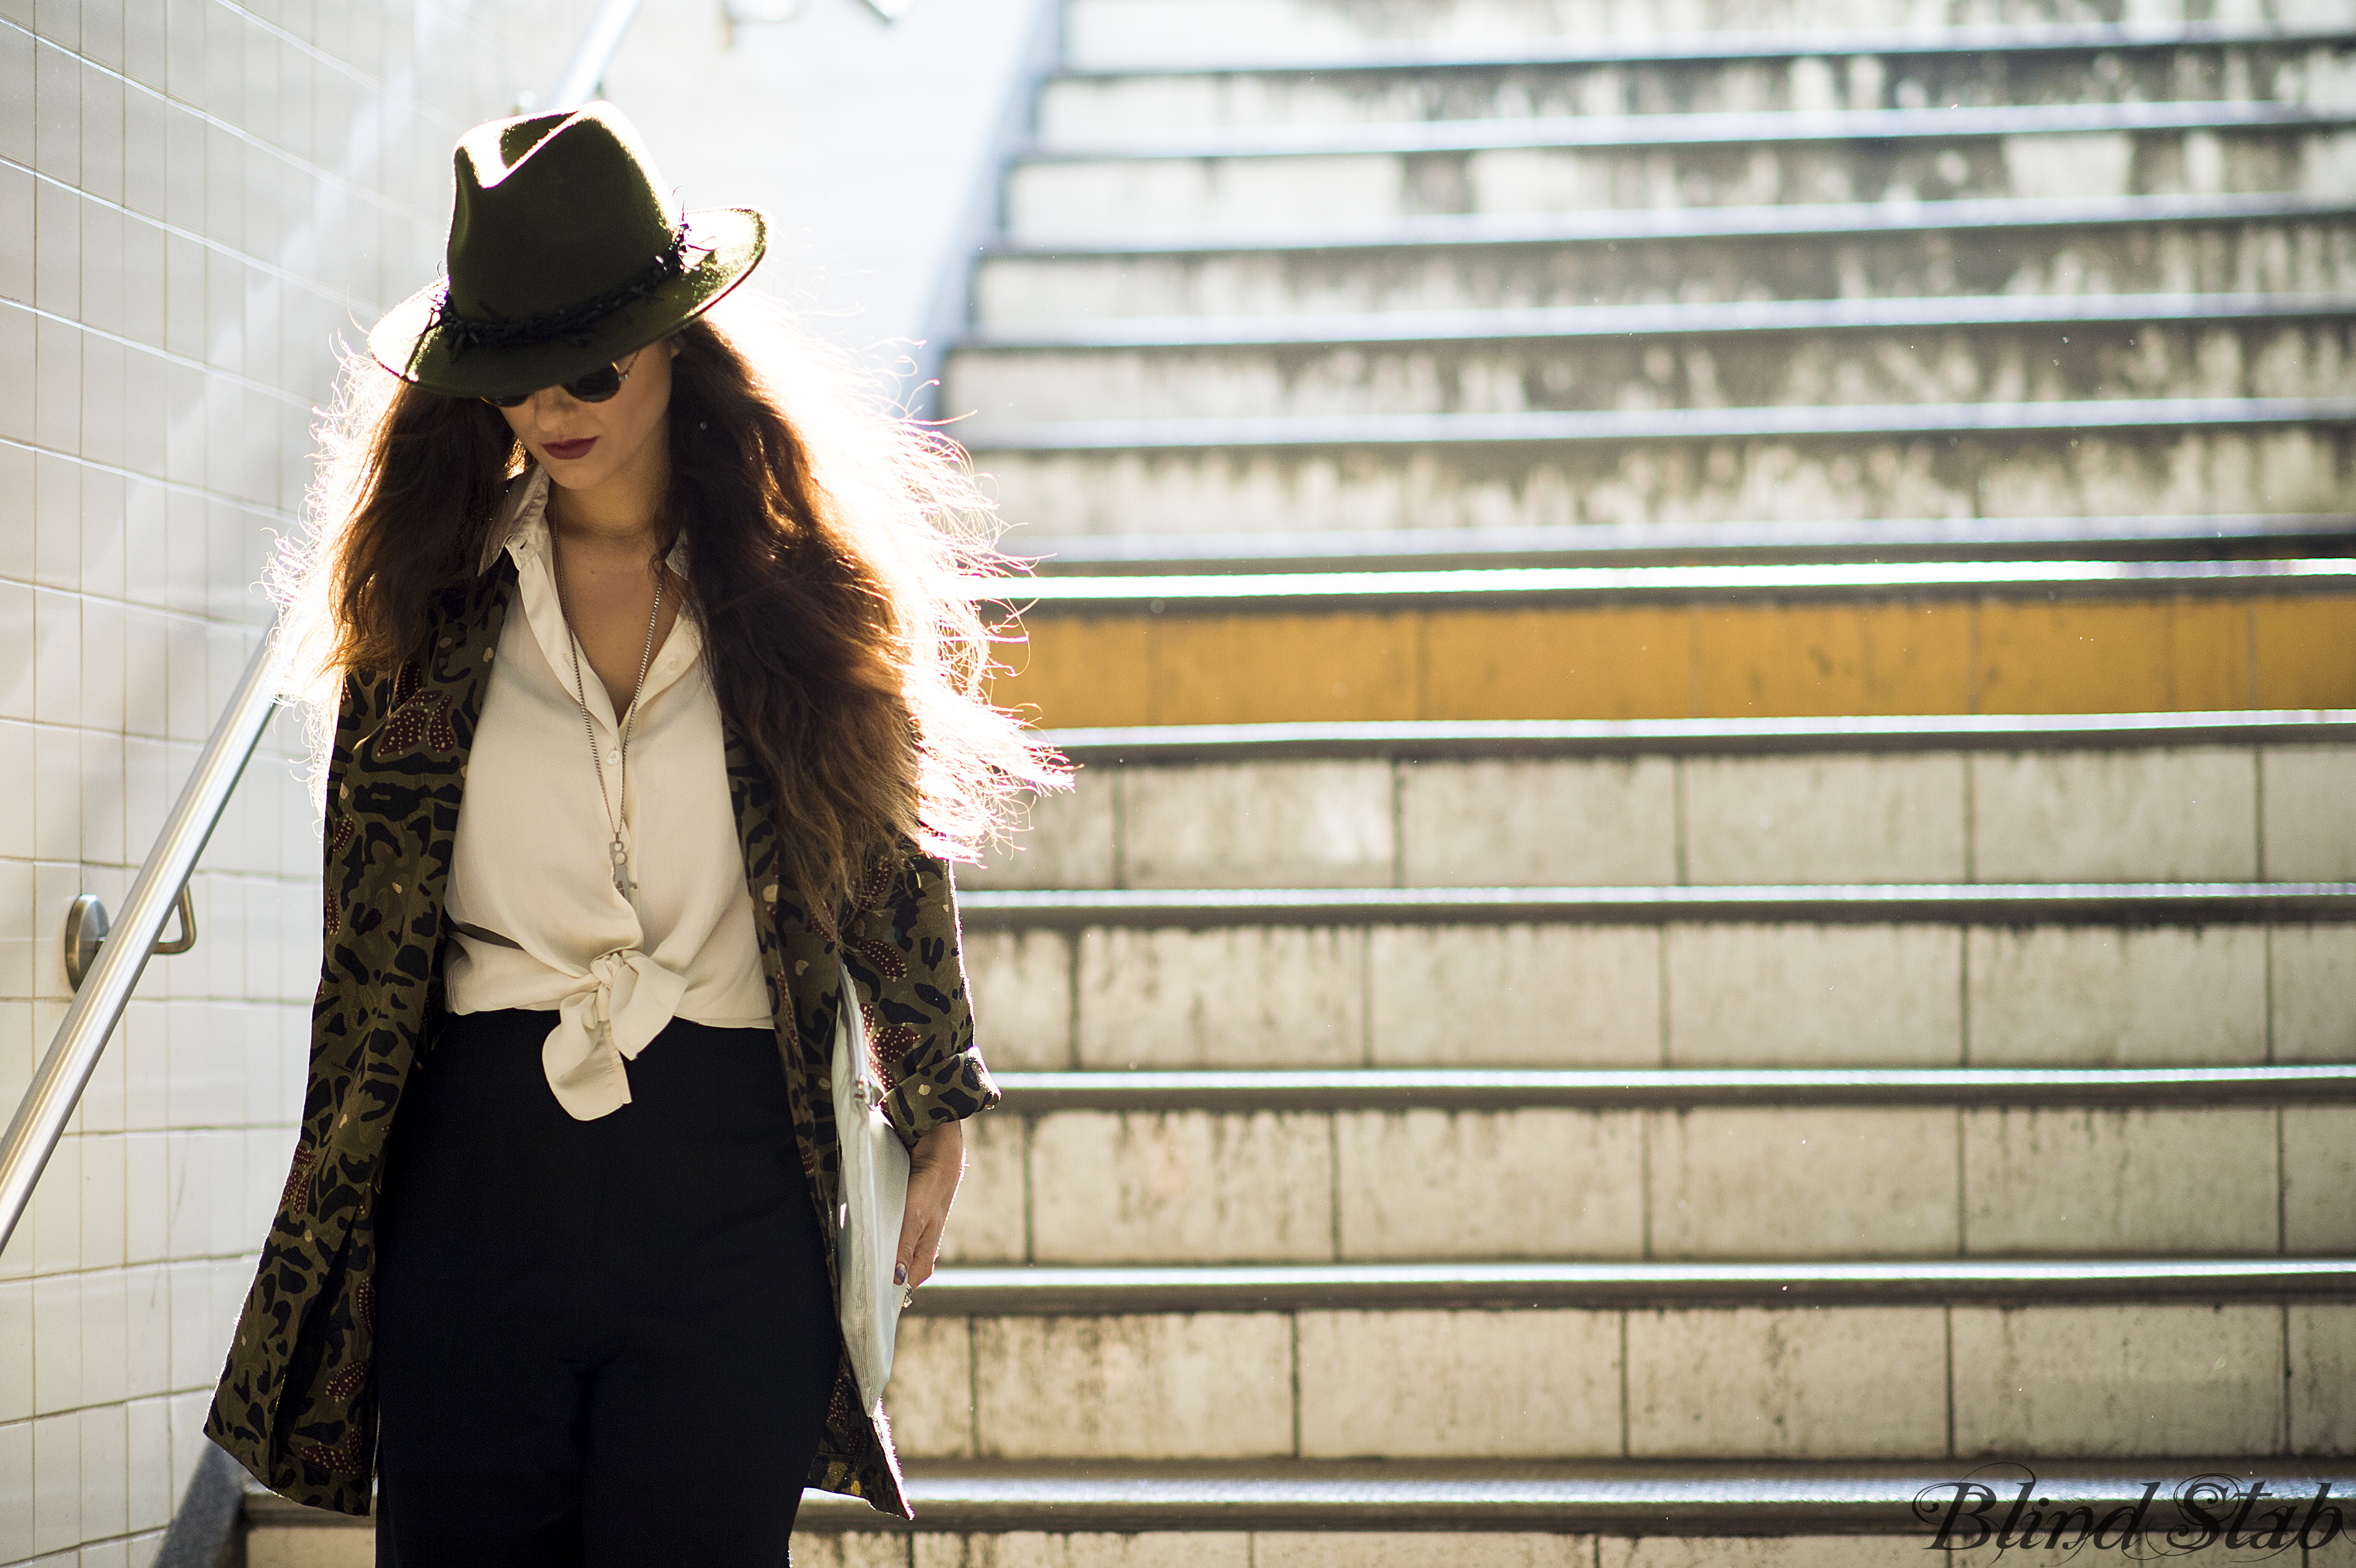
(171, 357)
(973, 1385)
(211, 246)
(174, 486)
(1963, 1183)
(291, 161)
(1948, 1332)
(1963, 997)
(1292, 1327)
(1625, 1420)
(1333, 1180)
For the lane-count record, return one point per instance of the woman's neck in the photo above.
(623, 513)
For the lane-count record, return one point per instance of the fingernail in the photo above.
(899, 1273)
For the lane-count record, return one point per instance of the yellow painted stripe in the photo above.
(1988, 655)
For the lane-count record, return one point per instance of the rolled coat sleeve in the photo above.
(903, 951)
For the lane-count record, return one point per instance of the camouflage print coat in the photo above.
(296, 1403)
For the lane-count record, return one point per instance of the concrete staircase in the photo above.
(1510, 1060)
(1714, 886)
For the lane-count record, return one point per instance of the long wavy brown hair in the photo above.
(833, 549)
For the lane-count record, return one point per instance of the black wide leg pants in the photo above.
(597, 1343)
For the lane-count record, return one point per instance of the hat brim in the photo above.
(724, 244)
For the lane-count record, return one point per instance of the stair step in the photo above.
(1701, 72)
(1735, 993)
(1158, 34)
(1654, 1499)
(1316, 1169)
(1678, 466)
(1716, 377)
(2025, 1359)
(1837, 221)
(1674, 544)
(2109, 798)
(1661, 643)
(1746, 128)
(2148, 244)
(1244, 435)
(1707, 317)
(1340, 194)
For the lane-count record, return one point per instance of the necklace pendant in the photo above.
(622, 883)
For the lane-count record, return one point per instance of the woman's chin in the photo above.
(582, 473)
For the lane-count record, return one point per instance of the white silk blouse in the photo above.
(532, 867)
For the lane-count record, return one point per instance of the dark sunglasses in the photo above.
(594, 386)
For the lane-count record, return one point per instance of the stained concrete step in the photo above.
(2214, 244)
(1697, 73)
(1872, 539)
(2026, 976)
(1292, 1513)
(1679, 466)
(2122, 419)
(2066, 117)
(1487, 1513)
(1353, 1166)
(1525, 169)
(2024, 1359)
(1590, 324)
(1118, 35)
(2126, 798)
(1687, 642)
(1818, 355)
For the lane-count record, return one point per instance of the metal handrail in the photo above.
(104, 987)
(107, 985)
(586, 69)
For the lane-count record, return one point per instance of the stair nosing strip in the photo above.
(1411, 739)
(1661, 544)
(1601, 1495)
(1776, 220)
(1476, 587)
(1732, 46)
(1726, 318)
(2111, 904)
(1380, 1089)
(1714, 1498)
(1595, 426)
(1043, 1290)
(1416, 138)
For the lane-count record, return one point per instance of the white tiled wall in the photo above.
(195, 195)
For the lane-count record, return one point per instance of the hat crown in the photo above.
(552, 211)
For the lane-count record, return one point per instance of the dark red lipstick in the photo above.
(566, 451)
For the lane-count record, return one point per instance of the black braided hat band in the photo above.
(571, 324)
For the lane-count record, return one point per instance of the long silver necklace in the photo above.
(618, 850)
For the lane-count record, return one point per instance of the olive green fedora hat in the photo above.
(566, 250)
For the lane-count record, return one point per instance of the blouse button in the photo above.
(612, 753)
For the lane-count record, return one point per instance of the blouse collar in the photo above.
(522, 525)
(525, 538)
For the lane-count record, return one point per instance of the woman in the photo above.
(658, 702)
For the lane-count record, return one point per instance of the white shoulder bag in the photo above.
(874, 1171)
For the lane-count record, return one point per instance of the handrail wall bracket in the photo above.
(87, 925)
(111, 957)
